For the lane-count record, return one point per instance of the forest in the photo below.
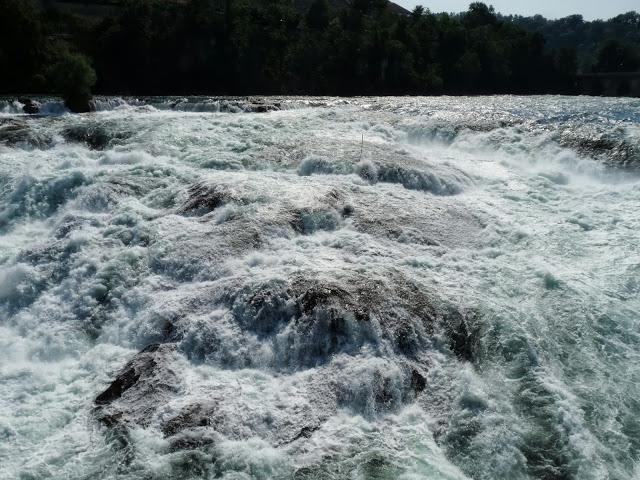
(243, 47)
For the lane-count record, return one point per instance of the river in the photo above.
(321, 288)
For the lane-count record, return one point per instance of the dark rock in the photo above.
(203, 199)
(305, 432)
(307, 221)
(310, 473)
(384, 396)
(331, 295)
(195, 424)
(265, 308)
(68, 224)
(379, 468)
(192, 416)
(15, 133)
(613, 147)
(418, 382)
(307, 322)
(262, 108)
(112, 421)
(144, 362)
(140, 388)
(145, 383)
(347, 211)
(464, 333)
(95, 137)
(30, 107)
(80, 104)
(316, 319)
(414, 179)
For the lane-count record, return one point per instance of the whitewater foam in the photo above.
(440, 288)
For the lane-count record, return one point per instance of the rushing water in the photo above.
(390, 288)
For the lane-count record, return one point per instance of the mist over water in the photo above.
(321, 288)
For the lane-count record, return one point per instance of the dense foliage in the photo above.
(601, 46)
(275, 46)
(72, 76)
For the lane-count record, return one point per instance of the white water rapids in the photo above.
(316, 288)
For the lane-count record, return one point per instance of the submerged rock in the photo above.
(95, 136)
(203, 199)
(18, 133)
(614, 147)
(309, 325)
(311, 320)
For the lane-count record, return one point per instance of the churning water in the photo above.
(424, 288)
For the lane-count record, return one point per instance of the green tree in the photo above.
(479, 14)
(346, 47)
(73, 77)
(21, 45)
(617, 57)
(318, 15)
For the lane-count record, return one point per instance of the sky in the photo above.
(590, 9)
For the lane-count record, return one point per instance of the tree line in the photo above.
(601, 45)
(239, 47)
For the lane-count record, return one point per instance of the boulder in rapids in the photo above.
(29, 106)
(144, 383)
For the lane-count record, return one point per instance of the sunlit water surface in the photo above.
(318, 288)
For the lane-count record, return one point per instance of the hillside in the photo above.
(620, 34)
(303, 5)
(190, 47)
(103, 8)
